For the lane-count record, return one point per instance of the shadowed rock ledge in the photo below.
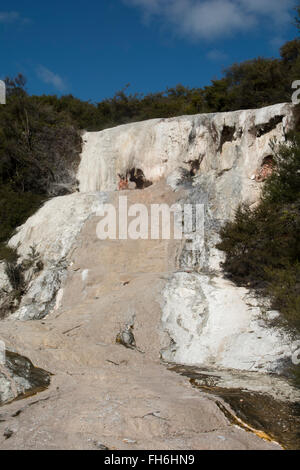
(19, 378)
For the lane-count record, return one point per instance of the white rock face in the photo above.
(209, 320)
(4, 281)
(18, 376)
(214, 323)
(5, 289)
(52, 231)
(161, 147)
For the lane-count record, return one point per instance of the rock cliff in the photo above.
(170, 295)
(218, 158)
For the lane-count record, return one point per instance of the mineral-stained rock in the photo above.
(40, 297)
(52, 231)
(210, 322)
(126, 337)
(198, 144)
(6, 292)
(216, 158)
(19, 378)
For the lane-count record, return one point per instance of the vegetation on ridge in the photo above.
(262, 245)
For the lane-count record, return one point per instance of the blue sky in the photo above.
(93, 48)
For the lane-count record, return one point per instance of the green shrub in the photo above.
(284, 184)
(15, 208)
(15, 275)
(8, 254)
(262, 246)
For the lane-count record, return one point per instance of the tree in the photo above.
(262, 246)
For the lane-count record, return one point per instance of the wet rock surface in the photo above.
(259, 413)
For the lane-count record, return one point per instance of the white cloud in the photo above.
(9, 16)
(272, 7)
(209, 19)
(12, 17)
(216, 56)
(51, 78)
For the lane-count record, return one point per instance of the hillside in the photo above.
(106, 316)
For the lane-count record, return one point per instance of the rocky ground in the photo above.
(103, 393)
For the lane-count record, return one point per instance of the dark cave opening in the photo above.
(195, 167)
(137, 176)
(269, 160)
(226, 136)
(263, 129)
(266, 169)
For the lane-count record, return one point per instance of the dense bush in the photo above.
(37, 144)
(262, 246)
(15, 207)
(251, 84)
(39, 152)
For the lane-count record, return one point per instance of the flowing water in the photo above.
(269, 417)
